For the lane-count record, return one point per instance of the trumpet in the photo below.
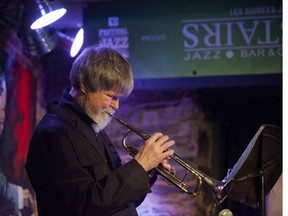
(219, 189)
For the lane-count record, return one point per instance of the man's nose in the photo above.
(115, 104)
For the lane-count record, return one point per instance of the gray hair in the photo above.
(102, 68)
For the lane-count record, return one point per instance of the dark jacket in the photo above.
(73, 175)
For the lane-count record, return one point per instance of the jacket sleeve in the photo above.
(66, 175)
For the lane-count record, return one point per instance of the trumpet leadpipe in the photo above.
(141, 133)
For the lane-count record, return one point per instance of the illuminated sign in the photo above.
(186, 39)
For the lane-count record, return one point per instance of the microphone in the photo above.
(225, 212)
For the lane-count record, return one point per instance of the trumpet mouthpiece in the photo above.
(110, 114)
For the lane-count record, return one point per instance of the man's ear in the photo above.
(82, 88)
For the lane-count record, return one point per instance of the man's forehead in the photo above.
(113, 93)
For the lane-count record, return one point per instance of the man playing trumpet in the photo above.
(72, 164)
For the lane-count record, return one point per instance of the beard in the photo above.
(100, 117)
(101, 121)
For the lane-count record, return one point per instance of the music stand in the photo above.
(258, 168)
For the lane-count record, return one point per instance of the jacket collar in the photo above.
(69, 111)
(67, 101)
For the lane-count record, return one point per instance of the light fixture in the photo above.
(38, 42)
(77, 43)
(73, 45)
(41, 41)
(43, 12)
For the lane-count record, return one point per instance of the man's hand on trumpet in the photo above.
(168, 166)
(154, 151)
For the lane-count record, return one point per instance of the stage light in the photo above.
(38, 42)
(43, 12)
(77, 43)
(72, 45)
